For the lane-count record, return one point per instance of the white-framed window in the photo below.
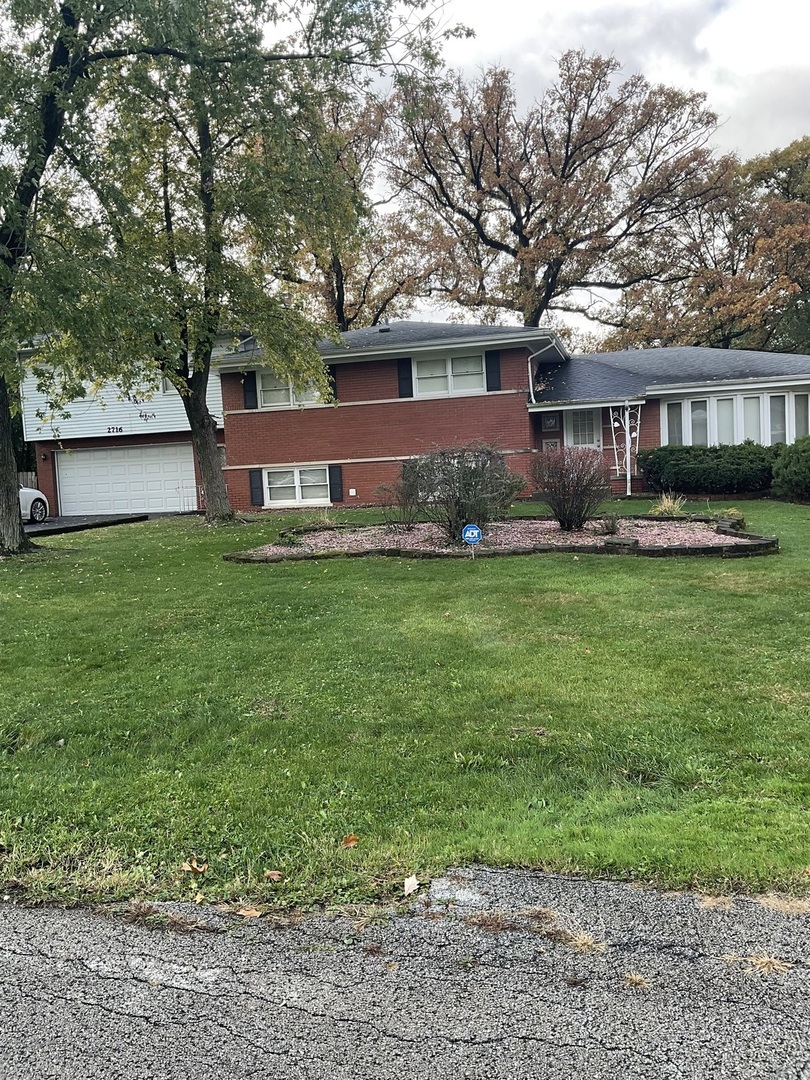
(449, 375)
(275, 393)
(699, 417)
(766, 418)
(297, 486)
(801, 416)
(583, 427)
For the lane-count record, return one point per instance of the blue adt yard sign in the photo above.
(471, 534)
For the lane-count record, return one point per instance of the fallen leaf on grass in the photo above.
(192, 866)
(273, 875)
(411, 884)
(351, 840)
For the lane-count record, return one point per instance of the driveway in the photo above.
(78, 522)
(491, 974)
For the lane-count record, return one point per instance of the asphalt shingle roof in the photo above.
(633, 373)
(401, 336)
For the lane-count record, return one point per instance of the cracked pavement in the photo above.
(491, 973)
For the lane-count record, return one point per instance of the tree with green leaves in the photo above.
(153, 184)
(356, 276)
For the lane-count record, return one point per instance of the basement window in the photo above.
(297, 487)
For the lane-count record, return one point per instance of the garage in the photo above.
(128, 479)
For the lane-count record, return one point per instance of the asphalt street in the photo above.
(496, 974)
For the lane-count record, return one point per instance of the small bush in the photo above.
(608, 525)
(573, 482)
(400, 501)
(463, 485)
(710, 470)
(668, 505)
(791, 472)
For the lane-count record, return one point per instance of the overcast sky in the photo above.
(751, 57)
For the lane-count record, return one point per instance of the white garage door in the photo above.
(130, 479)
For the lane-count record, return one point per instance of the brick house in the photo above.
(402, 389)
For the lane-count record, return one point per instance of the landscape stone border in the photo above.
(744, 545)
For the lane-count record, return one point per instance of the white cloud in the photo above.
(749, 58)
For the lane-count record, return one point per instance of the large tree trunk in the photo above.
(204, 439)
(13, 540)
(64, 70)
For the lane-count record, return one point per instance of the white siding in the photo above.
(127, 479)
(104, 413)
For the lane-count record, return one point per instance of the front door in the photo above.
(583, 427)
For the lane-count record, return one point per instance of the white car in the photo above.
(33, 505)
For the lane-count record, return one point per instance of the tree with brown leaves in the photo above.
(741, 264)
(585, 191)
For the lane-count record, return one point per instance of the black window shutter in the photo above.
(256, 487)
(249, 388)
(336, 483)
(493, 363)
(331, 372)
(405, 375)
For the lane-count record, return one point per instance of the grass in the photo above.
(159, 707)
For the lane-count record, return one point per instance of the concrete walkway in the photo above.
(503, 975)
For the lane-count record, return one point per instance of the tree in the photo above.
(740, 269)
(187, 64)
(582, 192)
(370, 266)
(47, 56)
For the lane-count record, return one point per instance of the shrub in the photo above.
(668, 505)
(573, 482)
(791, 472)
(608, 525)
(710, 470)
(400, 501)
(462, 485)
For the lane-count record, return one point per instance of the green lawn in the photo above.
(629, 717)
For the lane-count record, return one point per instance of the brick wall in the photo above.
(379, 428)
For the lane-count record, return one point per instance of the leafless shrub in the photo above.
(399, 501)
(573, 482)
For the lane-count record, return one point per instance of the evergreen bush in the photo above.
(791, 472)
(709, 470)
